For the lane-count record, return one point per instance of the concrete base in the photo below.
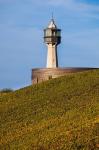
(40, 75)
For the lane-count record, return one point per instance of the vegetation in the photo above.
(60, 114)
(5, 91)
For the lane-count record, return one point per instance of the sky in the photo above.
(21, 36)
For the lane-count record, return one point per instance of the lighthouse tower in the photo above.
(52, 37)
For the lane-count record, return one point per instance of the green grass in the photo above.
(60, 114)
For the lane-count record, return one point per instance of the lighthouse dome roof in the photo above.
(52, 24)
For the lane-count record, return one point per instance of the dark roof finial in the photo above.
(52, 16)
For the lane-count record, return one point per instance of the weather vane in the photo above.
(52, 16)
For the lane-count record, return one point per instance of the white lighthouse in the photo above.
(52, 37)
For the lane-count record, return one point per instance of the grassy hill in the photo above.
(60, 114)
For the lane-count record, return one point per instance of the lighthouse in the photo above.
(52, 38)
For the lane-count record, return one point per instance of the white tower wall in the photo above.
(52, 60)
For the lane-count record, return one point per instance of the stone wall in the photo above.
(40, 75)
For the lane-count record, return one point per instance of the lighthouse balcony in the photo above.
(52, 39)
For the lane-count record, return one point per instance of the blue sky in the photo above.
(21, 36)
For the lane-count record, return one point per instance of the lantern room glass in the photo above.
(48, 32)
(59, 33)
(51, 32)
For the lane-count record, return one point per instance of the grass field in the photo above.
(60, 114)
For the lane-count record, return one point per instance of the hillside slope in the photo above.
(60, 114)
